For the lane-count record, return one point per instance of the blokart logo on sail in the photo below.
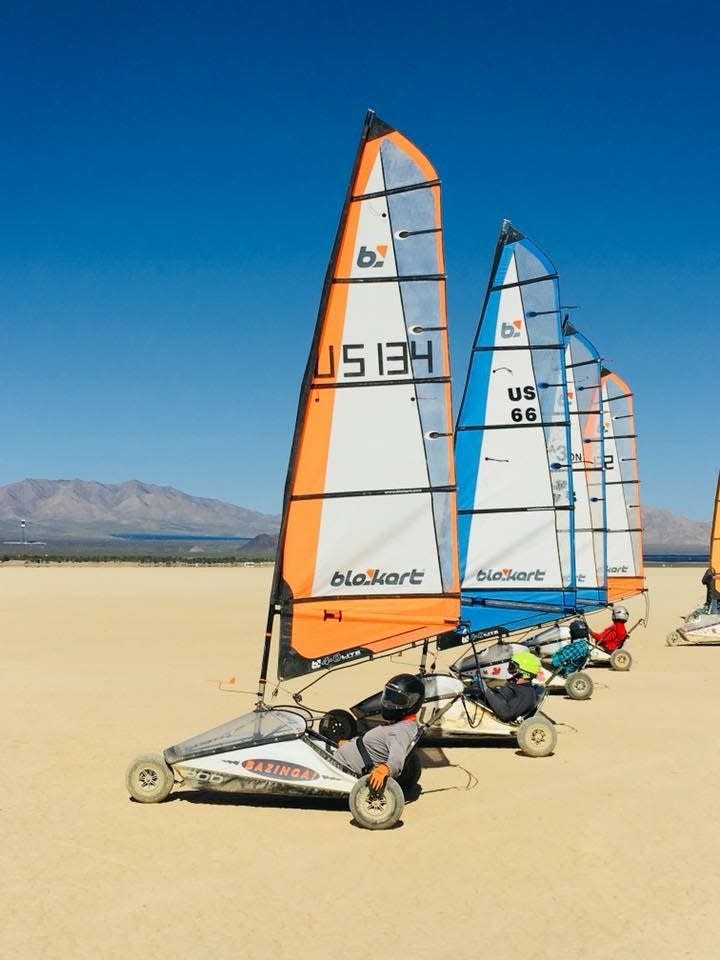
(277, 770)
(321, 663)
(372, 258)
(618, 568)
(510, 575)
(510, 330)
(376, 578)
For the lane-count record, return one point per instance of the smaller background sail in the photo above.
(625, 568)
(715, 539)
(584, 370)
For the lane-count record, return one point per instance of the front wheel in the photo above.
(579, 686)
(673, 639)
(536, 737)
(410, 775)
(149, 779)
(620, 660)
(375, 812)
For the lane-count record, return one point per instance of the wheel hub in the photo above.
(148, 778)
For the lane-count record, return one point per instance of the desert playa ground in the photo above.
(608, 849)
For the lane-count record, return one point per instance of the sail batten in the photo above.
(367, 559)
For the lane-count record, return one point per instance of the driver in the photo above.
(382, 751)
(516, 698)
(570, 658)
(616, 634)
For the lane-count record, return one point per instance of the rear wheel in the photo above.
(149, 779)
(620, 660)
(579, 686)
(410, 774)
(338, 725)
(376, 812)
(536, 737)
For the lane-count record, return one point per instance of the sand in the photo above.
(608, 849)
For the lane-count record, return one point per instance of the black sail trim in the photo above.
(400, 491)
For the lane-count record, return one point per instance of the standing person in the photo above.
(382, 751)
(516, 698)
(616, 634)
(711, 596)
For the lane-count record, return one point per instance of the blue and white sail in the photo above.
(584, 390)
(512, 448)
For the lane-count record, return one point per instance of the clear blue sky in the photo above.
(172, 175)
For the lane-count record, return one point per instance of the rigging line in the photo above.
(390, 191)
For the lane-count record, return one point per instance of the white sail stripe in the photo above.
(388, 534)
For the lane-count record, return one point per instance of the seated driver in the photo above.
(616, 634)
(572, 657)
(516, 698)
(382, 751)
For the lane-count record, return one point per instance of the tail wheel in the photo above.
(376, 812)
(410, 775)
(149, 779)
(536, 737)
(338, 725)
(620, 660)
(579, 686)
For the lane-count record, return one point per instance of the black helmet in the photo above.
(402, 696)
(578, 630)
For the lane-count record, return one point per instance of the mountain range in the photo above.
(86, 510)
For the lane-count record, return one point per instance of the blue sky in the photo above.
(173, 174)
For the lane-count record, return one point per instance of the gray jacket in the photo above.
(388, 744)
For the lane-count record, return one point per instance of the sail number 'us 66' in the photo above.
(521, 414)
(394, 358)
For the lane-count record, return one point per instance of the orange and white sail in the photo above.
(625, 568)
(715, 540)
(367, 559)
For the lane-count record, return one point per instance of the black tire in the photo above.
(338, 725)
(620, 660)
(579, 686)
(376, 813)
(536, 737)
(410, 774)
(149, 779)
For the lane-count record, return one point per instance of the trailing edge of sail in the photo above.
(715, 540)
(512, 450)
(367, 558)
(626, 576)
(584, 373)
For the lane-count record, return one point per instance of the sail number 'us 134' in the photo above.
(360, 360)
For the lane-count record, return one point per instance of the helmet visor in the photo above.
(393, 697)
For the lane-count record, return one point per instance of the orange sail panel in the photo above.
(367, 560)
(715, 539)
(625, 568)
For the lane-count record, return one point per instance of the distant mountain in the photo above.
(88, 510)
(665, 532)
